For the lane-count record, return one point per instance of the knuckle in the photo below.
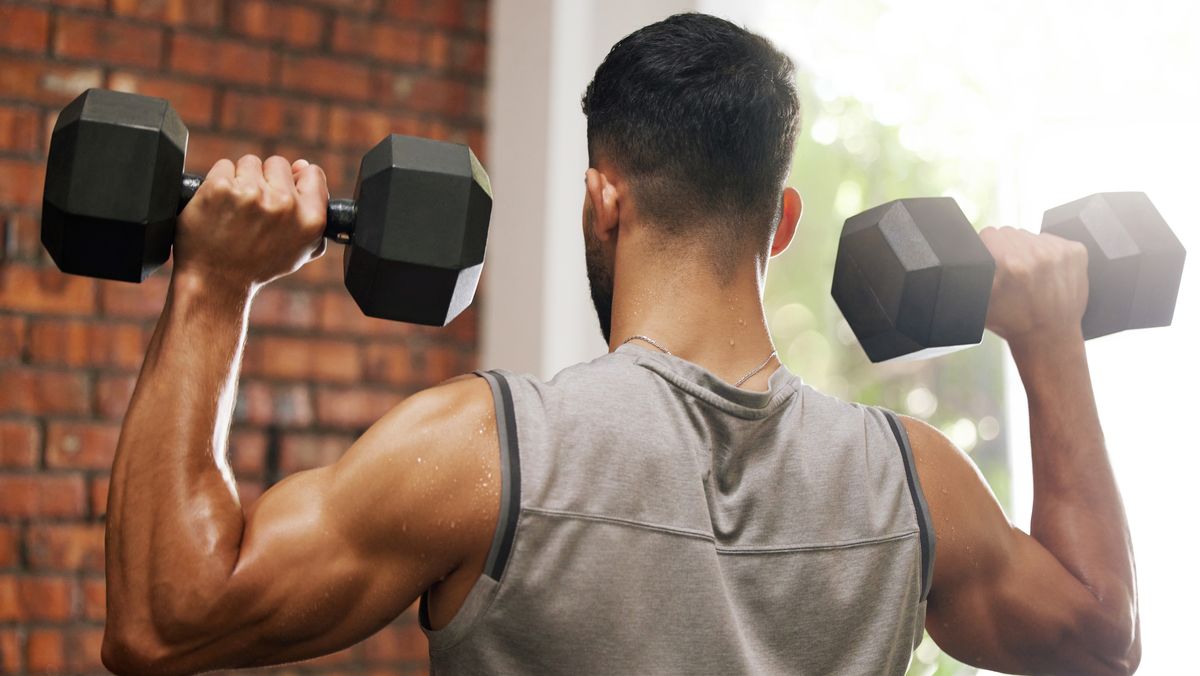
(247, 195)
(220, 185)
(276, 201)
(1078, 251)
(1018, 268)
(273, 207)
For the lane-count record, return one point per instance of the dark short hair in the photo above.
(701, 116)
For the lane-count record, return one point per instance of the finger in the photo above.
(250, 168)
(218, 183)
(278, 173)
(993, 241)
(222, 169)
(313, 196)
(298, 165)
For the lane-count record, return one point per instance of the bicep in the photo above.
(304, 584)
(999, 599)
(331, 555)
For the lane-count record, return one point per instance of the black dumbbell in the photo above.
(913, 278)
(415, 232)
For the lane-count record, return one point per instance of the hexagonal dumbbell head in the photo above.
(420, 232)
(913, 278)
(1135, 262)
(113, 185)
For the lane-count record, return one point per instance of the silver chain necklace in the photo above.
(665, 351)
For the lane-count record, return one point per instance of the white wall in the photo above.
(537, 312)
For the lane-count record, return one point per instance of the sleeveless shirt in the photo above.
(657, 520)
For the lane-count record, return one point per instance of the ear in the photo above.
(789, 218)
(603, 197)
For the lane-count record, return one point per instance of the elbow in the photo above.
(168, 638)
(1123, 661)
(137, 647)
(1118, 646)
(127, 651)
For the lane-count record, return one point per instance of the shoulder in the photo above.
(429, 460)
(574, 387)
(951, 482)
(961, 503)
(938, 461)
(445, 405)
(444, 435)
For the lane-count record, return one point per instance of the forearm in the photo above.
(174, 521)
(1077, 510)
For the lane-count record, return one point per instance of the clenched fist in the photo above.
(253, 222)
(1041, 286)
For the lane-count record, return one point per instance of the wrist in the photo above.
(192, 288)
(1046, 359)
(1039, 345)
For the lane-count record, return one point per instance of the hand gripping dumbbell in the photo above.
(415, 232)
(913, 278)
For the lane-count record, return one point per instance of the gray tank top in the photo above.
(657, 520)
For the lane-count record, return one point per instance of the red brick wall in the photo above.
(319, 79)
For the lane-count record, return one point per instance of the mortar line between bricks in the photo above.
(354, 58)
(456, 123)
(110, 15)
(64, 624)
(224, 28)
(102, 320)
(328, 17)
(37, 520)
(164, 55)
(226, 11)
(321, 50)
(165, 70)
(218, 106)
(51, 32)
(34, 156)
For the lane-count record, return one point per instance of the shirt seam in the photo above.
(724, 549)
(713, 399)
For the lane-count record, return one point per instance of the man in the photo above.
(683, 504)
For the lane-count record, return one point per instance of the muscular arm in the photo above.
(321, 560)
(1061, 599)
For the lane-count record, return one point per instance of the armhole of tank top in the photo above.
(510, 475)
(928, 541)
(506, 520)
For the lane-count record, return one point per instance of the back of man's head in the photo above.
(700, 116)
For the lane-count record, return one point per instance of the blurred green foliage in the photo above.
(846, 162)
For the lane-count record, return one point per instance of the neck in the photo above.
(716, 323)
